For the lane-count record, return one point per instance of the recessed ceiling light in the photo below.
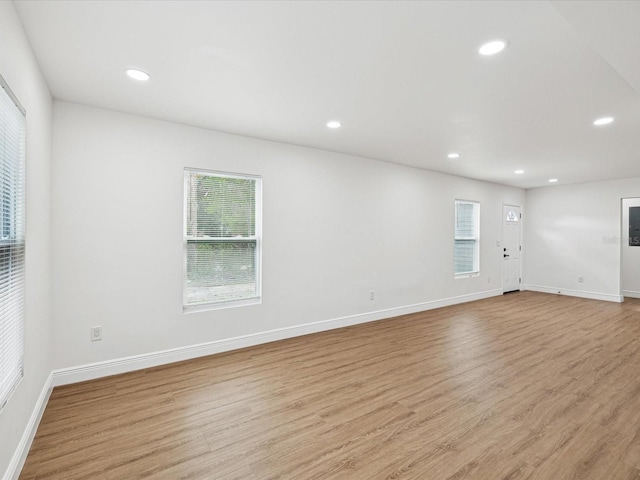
(553, 180)
(138, 74)
(492, 47)
(334, 124)
(519, 172)
(603, 121)
(453, 155)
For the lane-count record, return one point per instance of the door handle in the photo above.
(505, 255)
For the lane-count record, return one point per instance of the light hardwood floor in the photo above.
(524, 386)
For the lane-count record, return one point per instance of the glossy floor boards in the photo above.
(521, 386)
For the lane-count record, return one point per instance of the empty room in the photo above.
(319, 240)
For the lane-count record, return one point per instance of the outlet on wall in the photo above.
(372, 295)
(96, 334)
(580, 279)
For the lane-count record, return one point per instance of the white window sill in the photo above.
(222, 305)
(467, 275)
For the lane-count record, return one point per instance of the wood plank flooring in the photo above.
(523, 386)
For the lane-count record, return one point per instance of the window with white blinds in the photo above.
(222, 231)
(467, 238)
(12, 240)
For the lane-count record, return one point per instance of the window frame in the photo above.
(15, 246)
(257, 238)
(475, 238)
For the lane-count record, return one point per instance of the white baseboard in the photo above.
(20, 455)
(574, 293)
(630, 293)
(137, 362)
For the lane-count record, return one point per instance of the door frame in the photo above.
(624, 234)
(502, 243)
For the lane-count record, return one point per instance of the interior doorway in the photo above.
(511, 248)
(630, 245)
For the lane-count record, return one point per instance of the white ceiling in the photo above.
(404, 78)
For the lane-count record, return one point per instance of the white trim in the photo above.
(466, 275)
(12, 96)
(136, 362)
(22, 450)
(218, 173)
(221, 305)
(608, 297)
(630, 293)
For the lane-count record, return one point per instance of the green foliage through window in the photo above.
(222, 258)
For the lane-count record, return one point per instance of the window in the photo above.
(467, 238)
(12, 240)
(512, 217)
(221, 239)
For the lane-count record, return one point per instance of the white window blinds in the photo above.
(221, 239)
(12, 241)
(466, 251)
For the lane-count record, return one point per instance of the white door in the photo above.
(511, 248)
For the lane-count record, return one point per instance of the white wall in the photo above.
(335, 228)
(630, 255)
(20, 70)
(574, 231)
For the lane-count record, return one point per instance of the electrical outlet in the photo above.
(488, 278)
(372, 295)
(580, 279)
(96, 334)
